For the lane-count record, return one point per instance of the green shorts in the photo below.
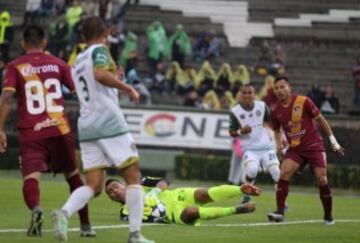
(176, 201)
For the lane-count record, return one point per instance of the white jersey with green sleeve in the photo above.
(100, 113)
(259, 139)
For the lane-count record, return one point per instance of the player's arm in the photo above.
(235, 128)
(5, 102)
(325, 126)
(314, 113)
(280, 139)
(103, 66)
(108, 79)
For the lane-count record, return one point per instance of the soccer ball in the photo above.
(158, 213)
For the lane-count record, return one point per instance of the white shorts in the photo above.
(119, 151)
(262, 158)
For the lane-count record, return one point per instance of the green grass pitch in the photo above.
(304, 205)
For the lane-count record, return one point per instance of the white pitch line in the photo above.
(119, 226)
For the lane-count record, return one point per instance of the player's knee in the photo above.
(189, 215)
(201, 195)
(322, 180)
(274, 171)
(97, 188)
(251, 171)
(131, 174)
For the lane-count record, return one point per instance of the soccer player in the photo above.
(250, 120)
(45, 138)
(183, 206)
(295, 114)
(103, 133)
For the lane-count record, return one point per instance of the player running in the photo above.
(183, 206)
(249, 120)
(103, 133)
(45, 138)
(295, 114)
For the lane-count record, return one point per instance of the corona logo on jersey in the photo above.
(161, 125)
(29, 70)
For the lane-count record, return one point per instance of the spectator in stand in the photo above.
(46, 8)
(103, 8)
(178, 79)
(159, 83)
(58, 36)
(207, 46)
(73, 14)
(6, 35)
(206, 78)
(356, 75)
(278, 64)
(130, 48)
(241, 77)
(192, 99)
(116, 41)
(211, 101)
(199, 48)
(60, 7)
(134, 80)
(225, 77)
(316, 95)
(90, 7)
(157, 39)
(228, 100)
(75, 51)
(76, 37)
(178, 46)
(31, 11)
(115, 13)
(330, 104)
(266, 93)
(265, 59)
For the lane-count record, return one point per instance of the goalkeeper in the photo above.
(183, 206)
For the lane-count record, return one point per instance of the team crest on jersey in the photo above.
(242, 116)
(251, 115)
(297, 109)
(258, 113)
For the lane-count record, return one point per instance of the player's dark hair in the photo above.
(92, 28)
(109, 181)
(277, 79)
(33, 35)
(248, 86)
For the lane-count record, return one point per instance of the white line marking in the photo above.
(119, 226)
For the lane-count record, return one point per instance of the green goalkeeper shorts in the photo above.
(176, 201)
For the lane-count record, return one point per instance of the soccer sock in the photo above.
(74, 183)
(326, 199)
(218, 193)
(31, 193)
(77, 200)
(134, 202)
(215, 212)
(281, 194)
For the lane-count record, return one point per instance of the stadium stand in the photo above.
(321, 48)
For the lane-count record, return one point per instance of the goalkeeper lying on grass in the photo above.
(182, 205)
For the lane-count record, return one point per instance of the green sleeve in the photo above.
(267, 114)
(102, 59)
(234, 123)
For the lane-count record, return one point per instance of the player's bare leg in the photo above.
(134, 202)
(31, 192)
(325, 194)
(74, 181)
(77, 200)
(288, 168)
